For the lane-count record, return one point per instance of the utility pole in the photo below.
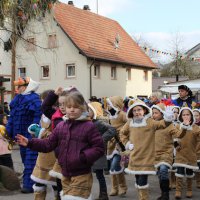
(176, 65)
(14, 39)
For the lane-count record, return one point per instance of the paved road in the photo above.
(131, 194)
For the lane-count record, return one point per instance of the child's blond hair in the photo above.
(75, 99)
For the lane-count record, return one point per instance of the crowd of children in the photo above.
(75, 138)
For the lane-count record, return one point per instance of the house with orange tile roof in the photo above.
(73, 46)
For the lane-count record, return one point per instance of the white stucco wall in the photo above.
(67, 53)
(57, 58)
(105, 86)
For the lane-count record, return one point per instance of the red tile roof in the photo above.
(94, 36)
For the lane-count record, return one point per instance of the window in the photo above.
(52, 41)
(45, 72)
(97, 71)
(128, 74)
(113, 73)
(146, 75)
(31, 44)
(22, 72)
(70, 70)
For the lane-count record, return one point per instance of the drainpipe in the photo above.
(91, 77)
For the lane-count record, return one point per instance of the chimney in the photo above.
(86, 7)
(71, 3)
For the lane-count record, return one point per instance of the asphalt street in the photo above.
(131, 194)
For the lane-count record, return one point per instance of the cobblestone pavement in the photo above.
(131, 194)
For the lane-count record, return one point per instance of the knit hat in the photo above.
(96, 107)
(137, 103)
(160, 107)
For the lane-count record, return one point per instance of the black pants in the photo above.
(183, 171)
(101, 179)
(6, 160)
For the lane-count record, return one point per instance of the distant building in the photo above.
(76, 47)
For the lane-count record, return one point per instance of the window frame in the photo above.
(30, 46)
(52, 45)
(97, 70)
(42, 72)
(20, 73)
(128, 74)
(113, 70)
(67, 71)
(145, 75)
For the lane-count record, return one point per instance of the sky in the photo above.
(156, 23)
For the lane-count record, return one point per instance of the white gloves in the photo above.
(129, 146)
(168, 114)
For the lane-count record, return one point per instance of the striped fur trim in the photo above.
(70, 197)
(39, 188)
(179, 175)
(55, 174)
(186, 166)
(185, 127)
(142, 187)
(41, 132)
(115, 152)
(189, 176)
(163, 163)
(117, 172)
(142, 124)
(128, 171)
(42, 181)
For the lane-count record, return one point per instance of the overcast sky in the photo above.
(157, 22)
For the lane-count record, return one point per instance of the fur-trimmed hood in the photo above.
(137, 103)
(180, 118)
(97, 109)
(116, 103)
(160, 107)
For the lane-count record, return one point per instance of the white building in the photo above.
(77, 47)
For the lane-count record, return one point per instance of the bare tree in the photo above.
(19, 12)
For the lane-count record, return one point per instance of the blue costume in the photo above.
(184, 103)
(25, 109)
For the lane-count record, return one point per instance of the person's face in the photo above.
(182, 93)
(196, 116)
(61, 104)
(21, 89)
(156, 114)
(138, 112)
(5, 120)
(153, 99)
(73, 112)
(90, 113)
(186, 115)
(176, 113)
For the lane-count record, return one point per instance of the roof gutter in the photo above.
(122, 63)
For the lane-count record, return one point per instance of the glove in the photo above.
(129, 146)
(34, 130)
(168, 114)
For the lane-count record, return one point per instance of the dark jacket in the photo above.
(184, 103)
(79, 143)
(107, 132)
(47, 104)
